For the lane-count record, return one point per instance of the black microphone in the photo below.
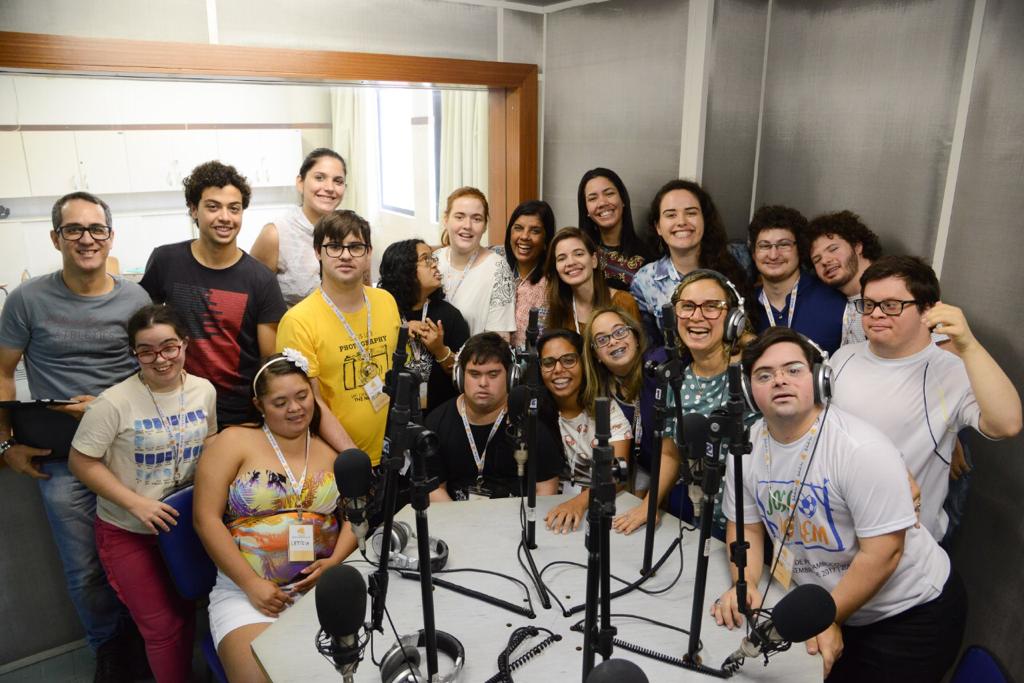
(352, 476)
(533, 328)
(617, 671)
(341, 609)
(695, 436)
(802, 614)
(668, 328)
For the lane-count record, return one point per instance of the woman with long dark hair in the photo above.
(576, 283)
(530, 229)
(437, 329)
(690, 236)
(605, 216)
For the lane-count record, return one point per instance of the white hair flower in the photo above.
(297, 359)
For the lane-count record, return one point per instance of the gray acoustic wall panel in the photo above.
(523, 37)
(860, 103)
(982, 274)
(734, 91)
(613, 98)
(182, 20)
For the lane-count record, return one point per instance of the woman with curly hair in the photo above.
(530, 229)
(576, 282)
(690, 236)
(606, 217)
(408, 270)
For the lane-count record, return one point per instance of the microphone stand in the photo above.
(728, 434)
(533, 385)
(600, 513)
(670, 377)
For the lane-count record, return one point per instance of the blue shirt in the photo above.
(818, 313)
(652, 288)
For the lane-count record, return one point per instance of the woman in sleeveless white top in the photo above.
(286, 245)
(476, 281)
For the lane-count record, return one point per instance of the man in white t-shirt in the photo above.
(913, 390)
(835, 488)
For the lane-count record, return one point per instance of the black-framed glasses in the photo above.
(789, 371)
(355, 249)
(568, 360)
(711, 309)
(428, 260)
(73, 232)
(891, 307)
(169, 352)
(782, 245)
(620, 332)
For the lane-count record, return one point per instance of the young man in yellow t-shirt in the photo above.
(348, 331)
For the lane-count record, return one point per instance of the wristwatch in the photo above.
(5, 445)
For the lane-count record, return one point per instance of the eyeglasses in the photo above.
(73, 231)
(568, 360)
(712, 308)
(355, 249)
(428, 260)
(781, 245)
(789, 371)
(620, 332)
(169, 352)
(891, 307)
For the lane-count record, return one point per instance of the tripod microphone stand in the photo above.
(533, 386)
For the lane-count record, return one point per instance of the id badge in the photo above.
(300, 543)
(783, 566)
(374, 389)
(478, 492)
(423, 395)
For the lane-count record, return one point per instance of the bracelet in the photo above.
(446, 356)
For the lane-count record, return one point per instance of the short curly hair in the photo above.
(848, 226)
(214, 174)
(782, 217)
(398, 274)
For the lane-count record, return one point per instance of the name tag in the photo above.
(783, 566)
(374, 389)
(300, 543)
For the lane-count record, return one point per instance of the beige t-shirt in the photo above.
(123, 428)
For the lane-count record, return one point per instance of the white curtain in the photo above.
(354, 119)
(463, 141)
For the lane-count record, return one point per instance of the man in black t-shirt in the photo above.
(230, 302)
(483, 466)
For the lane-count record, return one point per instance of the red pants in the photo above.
(138, 575)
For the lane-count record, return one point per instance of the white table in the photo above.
(484, 535)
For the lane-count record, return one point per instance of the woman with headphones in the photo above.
(710, 322)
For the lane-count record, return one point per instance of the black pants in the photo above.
(915, 646)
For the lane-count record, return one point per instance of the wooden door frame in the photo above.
(512, 100)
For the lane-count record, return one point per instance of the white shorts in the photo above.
(230, 609)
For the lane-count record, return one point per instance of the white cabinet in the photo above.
(267, 157)
(52, 162)
(158, 160)
(13, 172)
(102, 161)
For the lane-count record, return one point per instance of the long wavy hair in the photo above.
(399, 277)
(599, 380)
(541, 209)
(560, 313)
(630, 243)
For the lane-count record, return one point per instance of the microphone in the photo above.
(692, 448)
(340, 609)
(352, 476)
(668, 329)
(533, 328)
(802, 614)
(518, 398)
(617, 671)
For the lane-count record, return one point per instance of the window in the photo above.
(407, 143)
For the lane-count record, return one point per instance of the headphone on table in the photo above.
(401, 533)
(821, 376)
(401, 663)
(735, 316)
(512, 372)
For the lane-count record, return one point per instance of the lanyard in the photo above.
(369, 366)
(178, 440)
(575, 318)
(477, 456)
(792, 307)
(415, 347)
(805, 462)
(454, 286)
(638, 428)
(296, 484)
(849, 318)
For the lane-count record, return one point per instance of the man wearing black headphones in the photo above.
(475, 454)
(831, 490)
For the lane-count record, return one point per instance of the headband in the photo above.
(289, 356)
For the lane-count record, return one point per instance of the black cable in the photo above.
(505, 667)
(639, 649)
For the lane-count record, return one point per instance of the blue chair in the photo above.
(191, 569)
(979, 665)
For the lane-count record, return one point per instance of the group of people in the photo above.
(246, 374)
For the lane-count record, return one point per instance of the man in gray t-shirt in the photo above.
(70, 327)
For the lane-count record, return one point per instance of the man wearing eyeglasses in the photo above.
(787, 296)
(229, 301)
(349, 332)
(913, 390)
(69, 326)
